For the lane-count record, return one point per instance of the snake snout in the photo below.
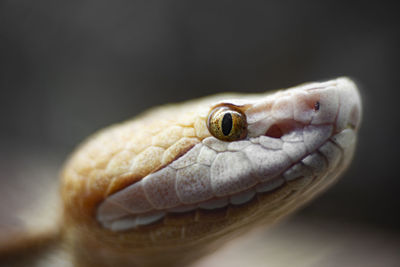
(349, 114)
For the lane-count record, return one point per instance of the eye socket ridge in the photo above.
(227, 123)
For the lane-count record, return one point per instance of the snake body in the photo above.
(162, 189)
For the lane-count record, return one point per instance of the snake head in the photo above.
(182, 176)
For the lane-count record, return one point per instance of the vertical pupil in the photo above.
(226, 123)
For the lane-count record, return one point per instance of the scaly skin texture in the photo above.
(127, 153)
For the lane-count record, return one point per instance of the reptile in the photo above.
(180, 180)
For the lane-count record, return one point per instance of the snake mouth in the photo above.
(299, 175)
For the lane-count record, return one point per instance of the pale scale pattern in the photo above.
(216, 169)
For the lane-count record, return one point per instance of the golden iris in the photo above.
(227, 123)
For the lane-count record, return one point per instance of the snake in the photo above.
(178, 181)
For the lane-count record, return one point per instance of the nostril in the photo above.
(274, 131)
(316, 106)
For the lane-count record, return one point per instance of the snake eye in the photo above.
(227, 123)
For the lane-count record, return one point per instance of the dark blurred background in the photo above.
(68, 68)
